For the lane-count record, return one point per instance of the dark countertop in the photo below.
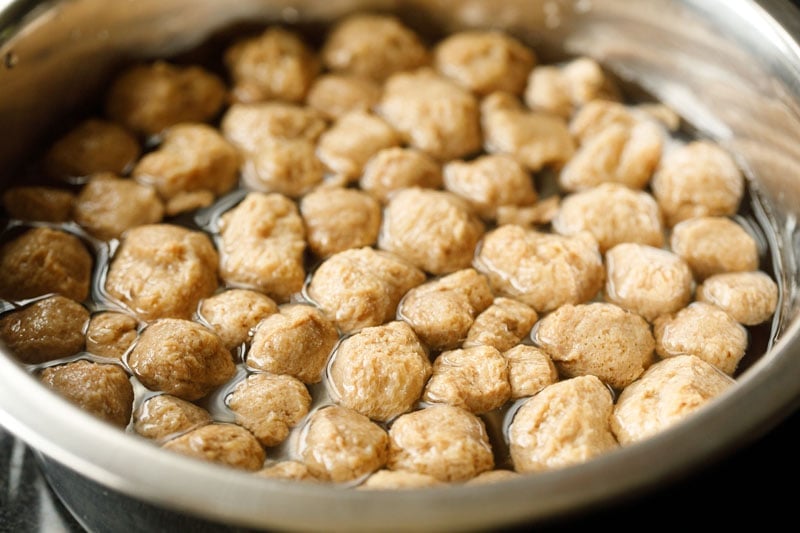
(755, 485)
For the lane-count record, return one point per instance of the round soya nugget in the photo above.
(667, 393)
(225, 444)
(103, 390)
(296, 341)
(338, 444)
(45, 330)
(164, 416)
(749, 298)
(110, 334)
(233, 313)
(703, 330)
(567, 423)
(380, 371)
(539, 269)
(713, 245)
(269, 405)
(502, 325)
(163, 270)
(398, 480)
(597, 339)
(181, 358)
(433, 230)
(442, 441)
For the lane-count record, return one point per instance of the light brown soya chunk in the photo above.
(561, 89)
(393, 169)
(714, 245)
(225, 444)
(750, 298)
(352, 140)
(45, 204)
(110, 334)
(398, 480)
(232, 314)
(501, 325)
(339, 219)
(164, 417)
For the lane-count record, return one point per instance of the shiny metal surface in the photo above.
(731, 69)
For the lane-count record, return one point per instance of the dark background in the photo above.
(754, 486)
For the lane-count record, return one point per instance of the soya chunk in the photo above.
(433, 230)
(92, 147)
(361, 287)
(501, 325)
(110, 334)
(749, 297)
(442, 441)
(340, 445)
(541, 270)
(714, 245)
(44, 260)
(181, 358)
(103, 390)
(393, 169)
(373, 46)
(276, 64)
(163, 417)
(163, 270)
(380, 371)
(108, 206)
(45, 204)
(269, 405)
(597, 339)
(149, 98)
(703, 330)
(340, 219)
(233, 314)
(297, 341)
(442, 311)
(224, 444)
(45, 330)
(262, 244)
(566, 424)
(485, 61)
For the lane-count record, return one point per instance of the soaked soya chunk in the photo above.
(340, 219)
(614, 214)
(567, 423)
(373, 46)
(493, 476)
(442, 441)
(42, 261)
(501, 325)
(269, 405)
(485, 61)
(149, 98)
(699, 179)
(232, 314)
(335, 95)
(489, 183)
(703, 330)
(107, 206)
(535, 139)
(91, 147)
(193, 165)
(361, 287)
(667, 393)
(714, 245)
(297, 342)
(615, 145)
(45, 330)
(103, 390)
(598, 339)
(432, 113)
(261, 246)
(277, 145)
(275, 65)
(750, 298)
(398, 480)
(393, 169)
(340, 445)
(541, 270)
(250, 126)
(164, 416)
(380, 371)
(225, 444)
(42, 204)
(475, 379)
(647, 281)
(442, 311)
(181, 358)
(287, 470)
(110, 334)
(433, 230)
(561, 89)
(163, 270)
(530, 370)
(352, 140)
